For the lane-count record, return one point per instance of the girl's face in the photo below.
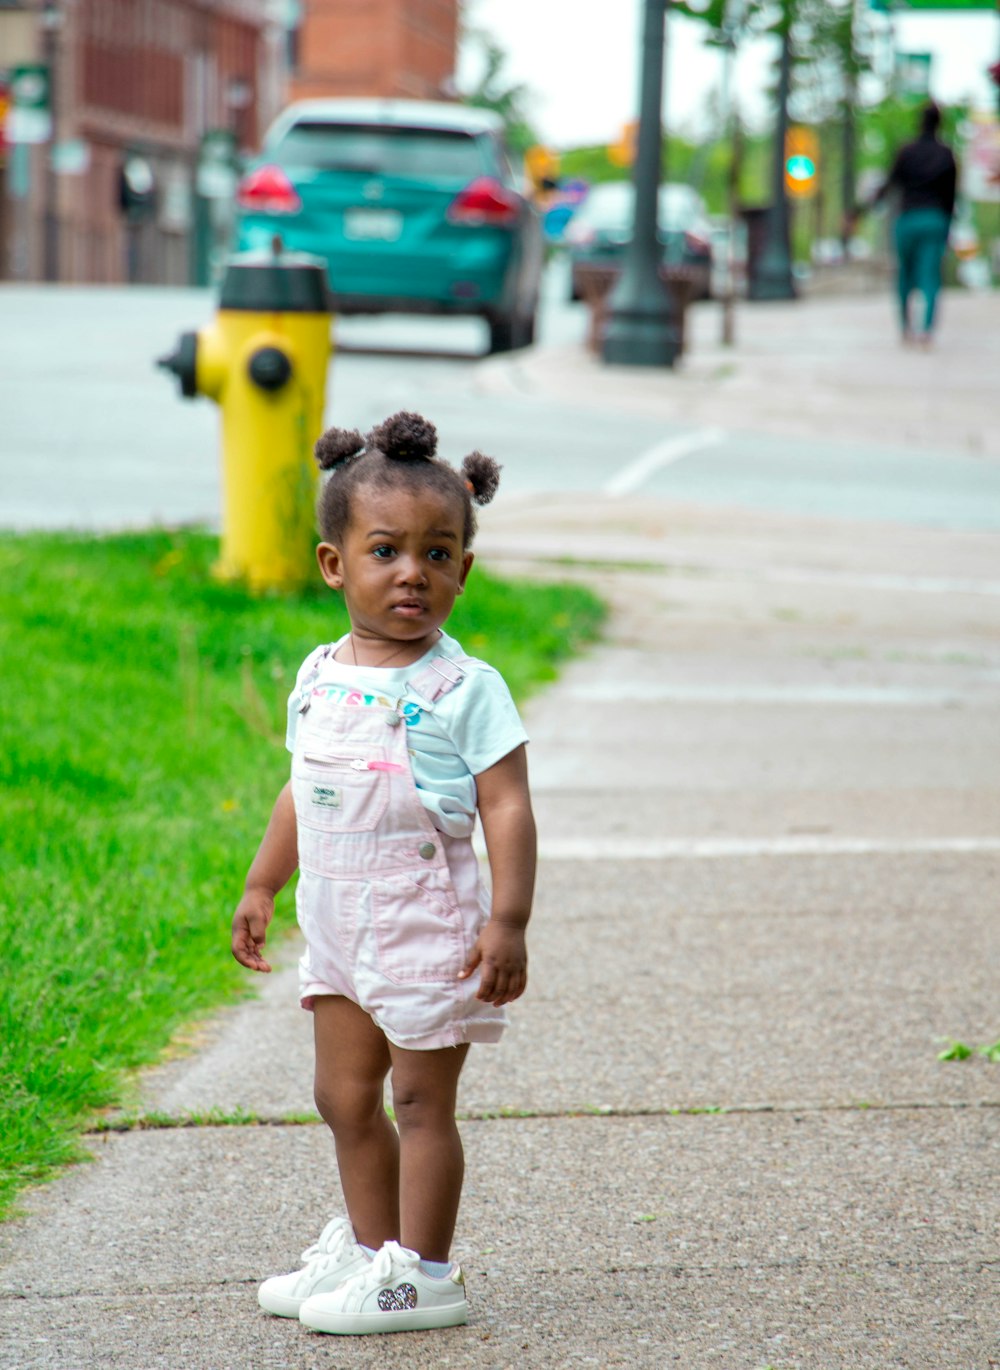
(401, 565)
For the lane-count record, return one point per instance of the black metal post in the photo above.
(51, 21)
(772, 279)
(643, 326)
(848, 175)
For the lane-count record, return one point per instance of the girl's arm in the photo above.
(271, 869)
(509, 828)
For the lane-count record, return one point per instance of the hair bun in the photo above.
(482, 476)
(336, 446)
(405, 437)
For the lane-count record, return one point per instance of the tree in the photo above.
(495, 92)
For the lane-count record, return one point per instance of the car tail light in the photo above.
(267, 190)
(485, 201)
(695, 244)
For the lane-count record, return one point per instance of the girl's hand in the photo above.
(502, 958)
(253, 913)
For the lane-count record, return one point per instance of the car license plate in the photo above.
(381, 225)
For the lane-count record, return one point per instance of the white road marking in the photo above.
(653, 849)
(630, 477)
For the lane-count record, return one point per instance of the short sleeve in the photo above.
(482, 719)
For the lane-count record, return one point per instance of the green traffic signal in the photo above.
(800, 168)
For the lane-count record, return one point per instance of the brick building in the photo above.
(149, 97)
(401, 48)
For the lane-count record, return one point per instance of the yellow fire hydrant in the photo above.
(264, 361)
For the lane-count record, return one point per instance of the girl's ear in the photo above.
(467, 559)
(330, 565)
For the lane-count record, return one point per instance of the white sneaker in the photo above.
(391, 1295)
(335, 1257)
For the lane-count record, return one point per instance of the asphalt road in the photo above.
(94, 436)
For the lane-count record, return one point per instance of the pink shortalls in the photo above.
(390, 907)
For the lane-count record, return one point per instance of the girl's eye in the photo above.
(439, 554)
(383, 551)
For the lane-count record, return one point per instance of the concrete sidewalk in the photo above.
(717, 1133)
(818, 368)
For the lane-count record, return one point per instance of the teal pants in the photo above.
(921, 238)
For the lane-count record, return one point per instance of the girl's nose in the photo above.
(410, 570)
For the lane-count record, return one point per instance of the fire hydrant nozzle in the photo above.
(269, 368)
(182, 363)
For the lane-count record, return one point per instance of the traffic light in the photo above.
(542, 166)
(622, 153)
(801, 162)
(136, 188)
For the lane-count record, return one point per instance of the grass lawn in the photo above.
(142, 744)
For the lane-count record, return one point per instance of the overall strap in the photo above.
(439, 677)
(306, 690)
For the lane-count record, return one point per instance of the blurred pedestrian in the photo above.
(399, 740)
(923, 179)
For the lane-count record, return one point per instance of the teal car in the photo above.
(414, 205)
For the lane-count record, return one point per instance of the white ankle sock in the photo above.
(438, 1270)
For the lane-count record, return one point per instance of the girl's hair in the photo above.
(400, 451)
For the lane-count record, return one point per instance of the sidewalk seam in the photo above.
(182, 1122)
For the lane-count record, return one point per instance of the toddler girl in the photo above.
(398, 739)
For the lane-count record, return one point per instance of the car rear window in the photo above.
(610, 206)
(383, 151)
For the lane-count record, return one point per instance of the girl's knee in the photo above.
(348, 1105)
(415, 1107)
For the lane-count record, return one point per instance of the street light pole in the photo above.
(643, 327)
(772, 279)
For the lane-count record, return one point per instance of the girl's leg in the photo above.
(424, 1091)
(352, 1061)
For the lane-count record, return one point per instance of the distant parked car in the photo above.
(601, 229)
(414, 205)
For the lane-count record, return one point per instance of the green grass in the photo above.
(141, 743)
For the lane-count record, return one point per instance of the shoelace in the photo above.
(327, 1258)
(332, 1238)
(388, 1264)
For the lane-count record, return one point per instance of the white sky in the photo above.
(583, 71)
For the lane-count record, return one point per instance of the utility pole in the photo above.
(643, 324)
(848, 188)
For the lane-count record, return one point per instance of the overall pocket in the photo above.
(338, 793)
(418, 929)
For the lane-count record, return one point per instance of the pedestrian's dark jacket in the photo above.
(924, 173)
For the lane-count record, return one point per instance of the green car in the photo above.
(414, 205)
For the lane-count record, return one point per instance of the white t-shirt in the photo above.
(468, 730)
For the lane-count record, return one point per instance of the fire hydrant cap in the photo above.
(289, 283)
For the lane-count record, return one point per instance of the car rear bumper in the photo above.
(477, 274)
(409, 304)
